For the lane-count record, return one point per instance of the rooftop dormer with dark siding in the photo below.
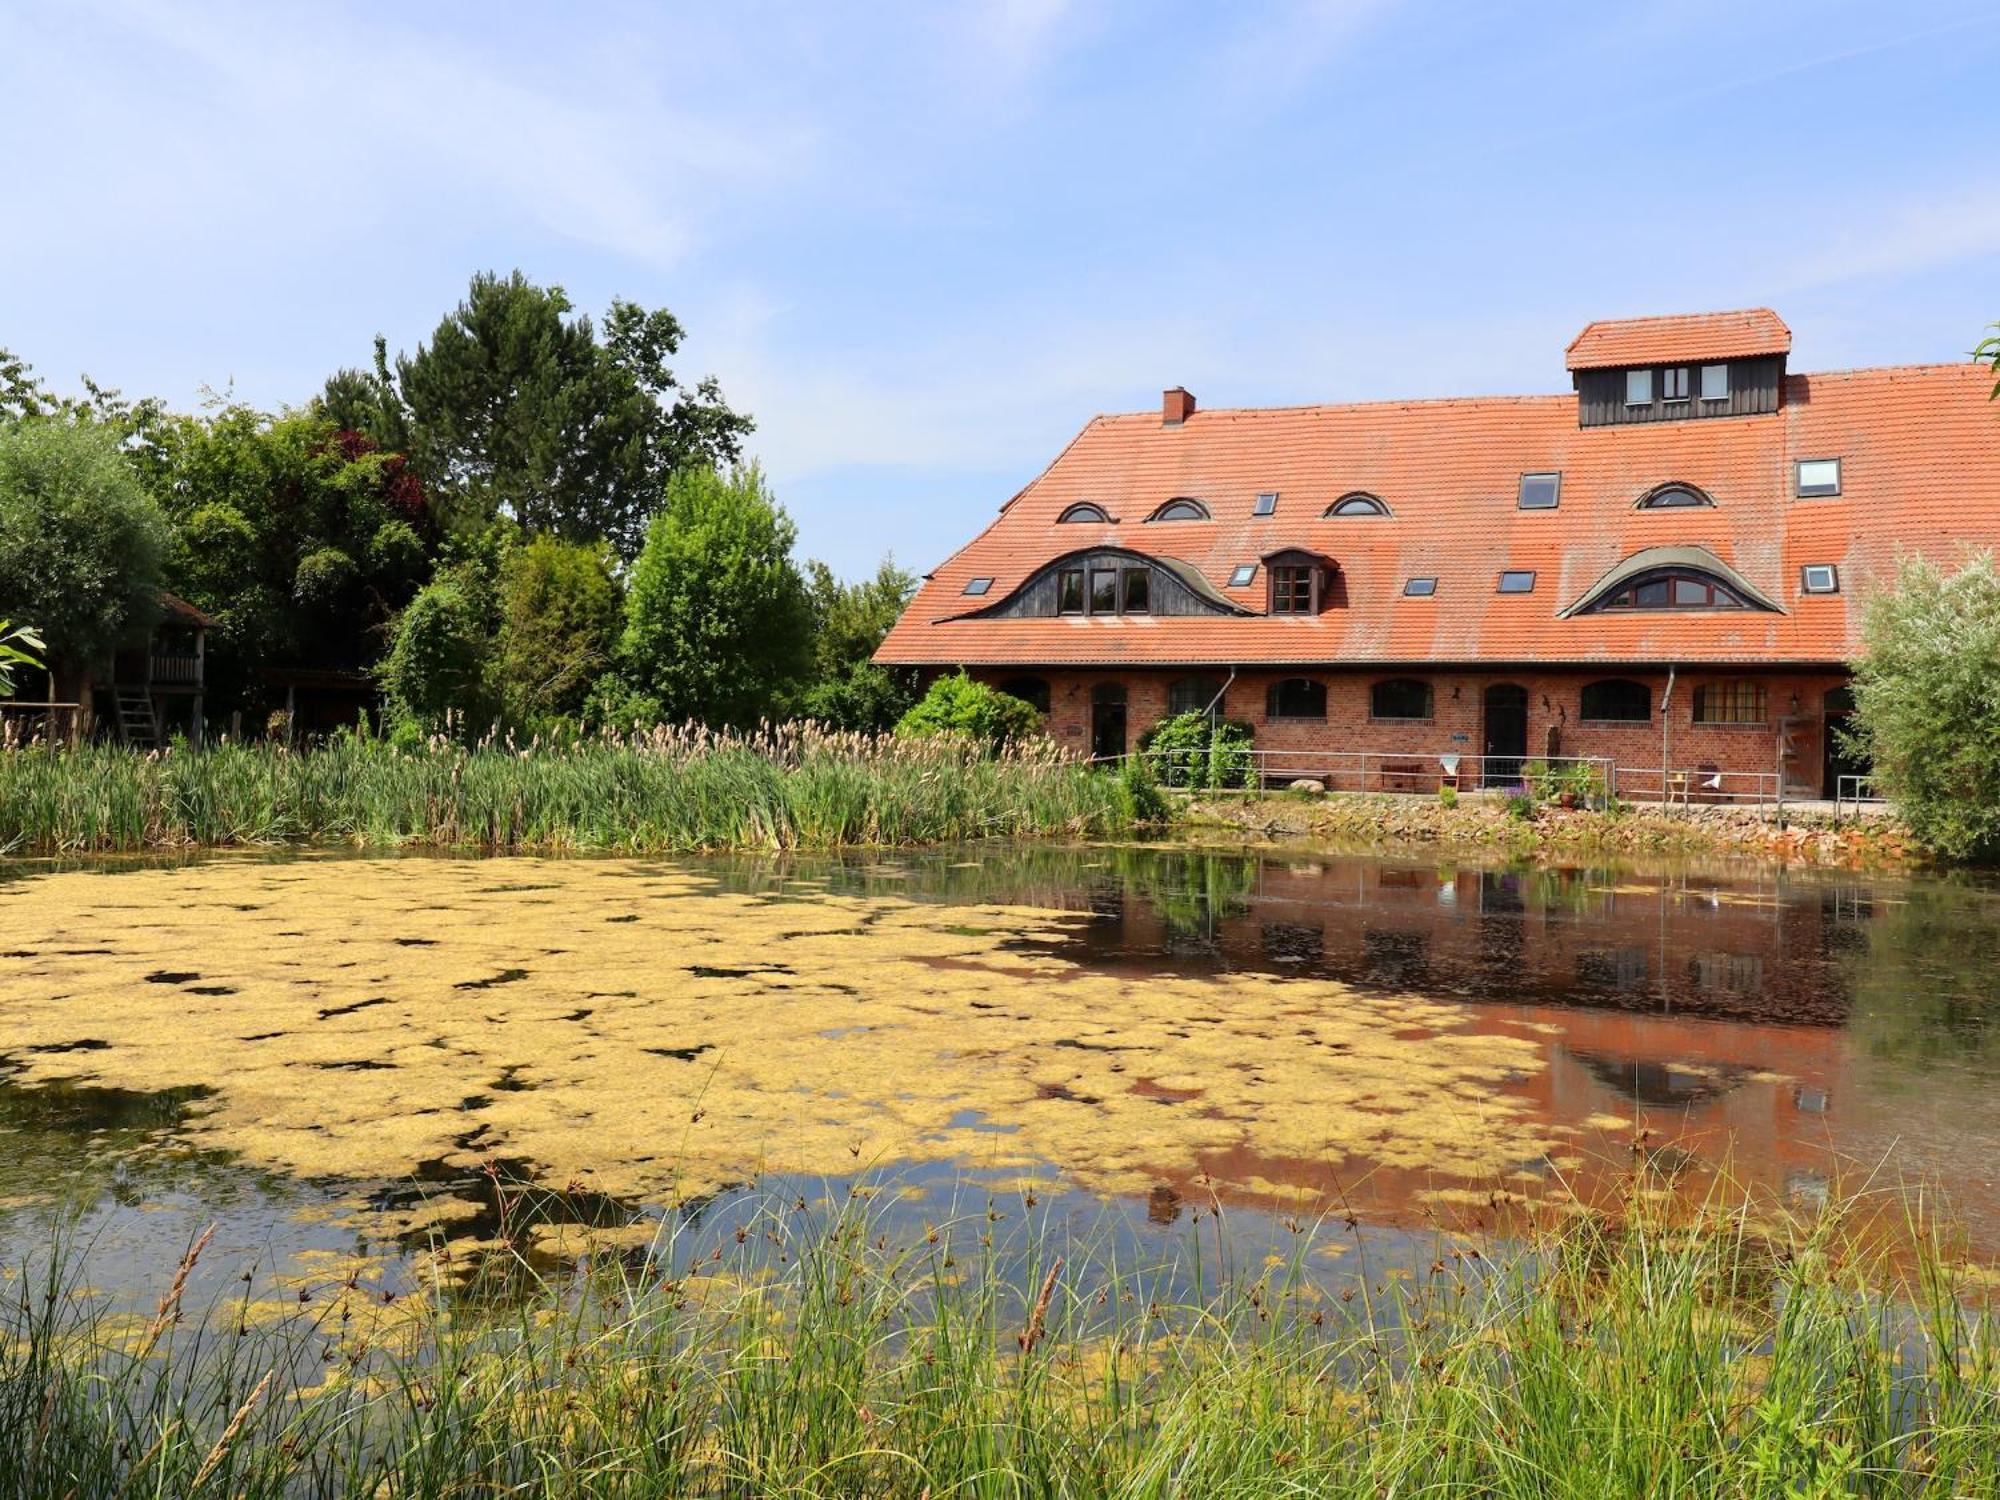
(1679, 369)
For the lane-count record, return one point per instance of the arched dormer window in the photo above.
(1672, 588)
(1673, 497)
(1180, 509)
(1669, 578)
(1083, 510)
(1295, 698)
(1360, 503)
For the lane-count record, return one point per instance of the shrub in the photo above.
(1193, 750)
(1139, 792)
(1521, 806)
(959, 705)
(1927, 703)
(438, 664)
(1448, 796)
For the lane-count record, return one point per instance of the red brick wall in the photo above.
(1458, 722)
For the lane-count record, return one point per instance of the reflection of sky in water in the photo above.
(1810, 1027)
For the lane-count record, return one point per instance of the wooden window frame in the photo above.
(1737, 694)
(1125, 577)
(1082, 606)
(1294, 585)
(1272, 700)
(1429, 716)
(1585, 717)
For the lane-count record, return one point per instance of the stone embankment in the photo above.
(1810, 834)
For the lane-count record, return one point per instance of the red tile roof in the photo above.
(1692, 336)
(1920, 454)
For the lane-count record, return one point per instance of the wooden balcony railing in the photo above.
(185, 670)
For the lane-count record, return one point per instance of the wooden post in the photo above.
(200, 646)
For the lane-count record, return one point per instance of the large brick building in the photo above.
(1665, 569)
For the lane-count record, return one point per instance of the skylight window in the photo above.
(1818, 476)
(977, 586)
(1540, 491)
(1517, 581)
(1267, 504)
(1420, 588)
(1819, 578)
(1245, 572)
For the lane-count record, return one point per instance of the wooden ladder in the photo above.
(136, 725)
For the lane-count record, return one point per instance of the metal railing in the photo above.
(1419, 772)
(1695, 786)
(1852, 792)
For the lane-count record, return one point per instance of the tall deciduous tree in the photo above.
(718, 625)
(849, 620)
(560, 609)
(81, 543)
(516, 406)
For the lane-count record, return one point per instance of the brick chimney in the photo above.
(1176, 406)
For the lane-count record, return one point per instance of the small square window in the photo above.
(1819, 578)
(976, 586)
(1240, 579)
(1638, 387)
(1267, 503)
(1420, 588)
(1517, 581)
(1540, 491)
(1715, 382)
(1819, 476)
(1674, 383)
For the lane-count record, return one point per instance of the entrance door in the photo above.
(1506, 733)
(1837, 760)
(1107, 721)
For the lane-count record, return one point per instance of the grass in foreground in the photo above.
(1649, 1358)
(667, 791)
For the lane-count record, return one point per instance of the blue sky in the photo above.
(922, 245)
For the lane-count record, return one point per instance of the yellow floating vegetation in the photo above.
(628, 1028)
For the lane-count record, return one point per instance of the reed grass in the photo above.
(668, 790)
(1643, 1357)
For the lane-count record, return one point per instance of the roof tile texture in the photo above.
(1688, 336)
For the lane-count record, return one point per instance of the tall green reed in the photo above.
(790, 786)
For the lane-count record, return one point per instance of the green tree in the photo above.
(516, 406)
(18, 648)
(718, 627)
(846, 688)
(439, 664)
(1988, 353)
(81, 543)
(561, 610)
(1927, 703)
(303, 540)
(958, 704)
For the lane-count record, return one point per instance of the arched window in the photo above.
(1357, 504)
(1033, 690)
(1181, 509)
(1673, 588)
(1193, 695)
(1400, 698)
(1739, 702)
(1617, 700)
(1296, 698)
(1083, 511)
(1673, 497)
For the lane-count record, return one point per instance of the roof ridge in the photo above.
(1516, 398)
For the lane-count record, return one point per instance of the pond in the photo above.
(345, 1063)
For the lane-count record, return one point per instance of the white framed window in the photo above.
(1715, 382)
(1818, 476)
(1819, 578)
(1540, 491)
(1638, 387)
(1674, 383)
(1245, 572)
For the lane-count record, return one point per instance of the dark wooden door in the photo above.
(1837, 759)
(1107, 731)
(1506, 732)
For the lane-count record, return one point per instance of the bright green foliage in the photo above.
(1197, 751)
(560, 611)
(302, 541)
(958, 705)
(1139, 790)
(1988, 352)
(847, 689)
(516, 407)
(438, 667)
(718, 626)
(1927, 703)
(81, 541)
(19, 646)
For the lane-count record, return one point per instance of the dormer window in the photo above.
(1294, 589)
(1267, 504)
(1673, 497)
(1674, 588)
(1540, 491)
(1083, 511)
(1357, 504)
(1674, 383)
(1638, 387)
(1715, 382)
(1181, 509)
